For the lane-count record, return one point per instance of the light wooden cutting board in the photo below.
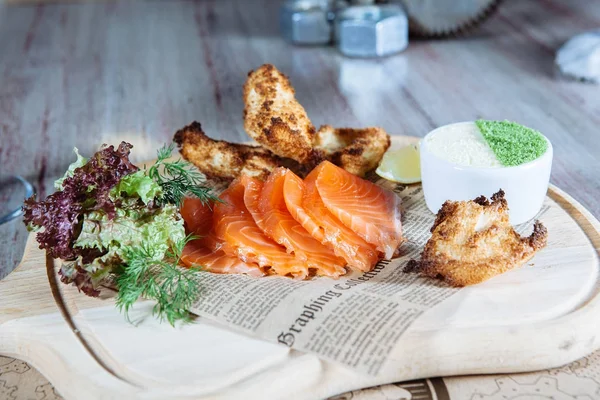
(527, 319)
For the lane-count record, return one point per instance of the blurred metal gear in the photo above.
(444, 18)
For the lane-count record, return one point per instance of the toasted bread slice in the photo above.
(473, 241)
(274, 118)
(222, 160)
(358, 151)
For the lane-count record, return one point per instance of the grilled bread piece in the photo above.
(473, 241)
(274, 118)
(222, 160)
(286, 137)
(358, 151)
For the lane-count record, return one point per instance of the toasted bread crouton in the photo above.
(473, 241)
(222, 160)
(274, 118)
(358, 151)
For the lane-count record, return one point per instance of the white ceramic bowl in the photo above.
(525, 185)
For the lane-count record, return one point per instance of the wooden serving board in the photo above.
(528, 319)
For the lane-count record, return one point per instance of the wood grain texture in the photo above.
(83, 74)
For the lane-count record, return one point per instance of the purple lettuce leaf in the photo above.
(59, 215)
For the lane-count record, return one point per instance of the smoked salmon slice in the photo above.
(235, 226)
(195, 254)
(369, 210)
(198, 218)
(204, 252)
(305, 205)
(267, 206)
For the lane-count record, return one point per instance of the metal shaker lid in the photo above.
(306, 22)
(371, 30)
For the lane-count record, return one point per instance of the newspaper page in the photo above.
(355, 320)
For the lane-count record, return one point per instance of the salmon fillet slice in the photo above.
(205, 251)
(375, 217)
(235, 226)
(266, 204)
(305, 205)
(196, 255)
(198, 218)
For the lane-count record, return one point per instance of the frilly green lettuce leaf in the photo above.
(158, 230)
(138, 184)
(80, 162)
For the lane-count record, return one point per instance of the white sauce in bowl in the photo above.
(462, 144)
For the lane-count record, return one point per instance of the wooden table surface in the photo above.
(83, 74)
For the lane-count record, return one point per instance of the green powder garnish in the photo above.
(513, 144)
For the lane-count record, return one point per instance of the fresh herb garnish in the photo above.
(113, 220)
(178, 178)
(173, 287)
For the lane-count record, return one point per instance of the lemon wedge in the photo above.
(401, 165)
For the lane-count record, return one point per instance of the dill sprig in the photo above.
(172, 287)
(178, 178)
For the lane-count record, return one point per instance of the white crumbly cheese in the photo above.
(462, 144)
